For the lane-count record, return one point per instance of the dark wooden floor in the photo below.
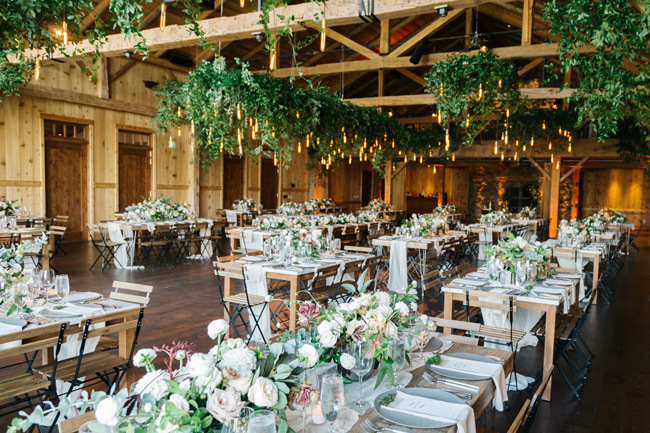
(615, 399)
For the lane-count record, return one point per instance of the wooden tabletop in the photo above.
(479, 401)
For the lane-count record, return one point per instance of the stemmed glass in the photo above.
(20, 298)
(420, 337)
(47, 281)
(267, 250)
(332, 399)
(62, 284)
(360, 350)
(238, 424)
(397, 352)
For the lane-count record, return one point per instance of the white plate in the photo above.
(412, 420)
(253, 259)
(82, 296)
(462, 375)
(14, 322)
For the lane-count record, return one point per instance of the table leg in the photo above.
(227, 290)
(549, 346)
(45, 260)
(125, 339)
(448, 311)
(596, 276)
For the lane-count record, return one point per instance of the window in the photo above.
(519, 196)
(134, 138)
(56, 129)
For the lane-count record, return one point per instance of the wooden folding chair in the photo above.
(460, 332)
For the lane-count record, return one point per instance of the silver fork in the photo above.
(426, 376)
(370, 427)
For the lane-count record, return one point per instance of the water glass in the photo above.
(267, 250)
(397, 352)
(363, 363)
(20, 298)
(238, 424)
(336, 244)
(47, 280)
(332, 399)
(62, 284)
(261, 421)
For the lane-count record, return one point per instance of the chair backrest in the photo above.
(72, 425)
(365, 250)
(29, 340)
(322, 274)
(6, 240)
(496, 301)
(95, 233)
(116, 321)
(57, 230)
(122, 289)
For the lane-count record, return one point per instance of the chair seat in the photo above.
(97, 361)
(113, 244)
(502, 334)
(107, 343)
(564, 324)
(462, 314)
(240, 299)
(20, 384)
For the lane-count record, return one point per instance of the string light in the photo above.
(238, 112)
(37, 69)
(272, 59)
(496, 149)
(323, 35)
(502, 156)
(65, 33)
(569, 143)
(480, 91)
(242, 3)
(516, 155)
(299, 147)
(163, 15)
(453, 157)
(192, 126)
(275, 160)
(221, 146)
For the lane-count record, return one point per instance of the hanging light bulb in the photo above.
(275, 160)
(242, 3)
(508, 113)
(434, 169)
(414, 157)
(502, 156)
(516, 155)
(517, 143)
(524, 148)
(480, 91)
(543, 124)
(550, 145)
(467, 121)
(163, 15)
(221, 146)
(557, 165)
(439, 116)
(179, 131)
(532, 141)
(496, 149)
(323, 35)
(453, 157)
(272, 60)
(192, 126)
(551, 158)
(569, 143)
(500, 83)
(350, 159)
(441, 88)
(299, 147)
(65, 33)
(393, 144)
(238, 111)
(307, 144)
(37, 69)
(420, 159)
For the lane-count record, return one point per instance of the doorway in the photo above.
(134, 167)
(269, 184)
(66, 175)
(233, 181)
(366, 187)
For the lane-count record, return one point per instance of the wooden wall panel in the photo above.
(615, 188)
(211, 194)
(420, 179)
(457, 187)
(294, 181)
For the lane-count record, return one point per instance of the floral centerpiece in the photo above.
(495, 218)
(378, 205)
(425, 225)
(612, 216)
(195, 392)
(8, 207)
(512, 252)
(526, 213)
(305, 243)
(12, 270)
(321, 203)
(445, 210)
(160, 209)
(290, 208)
(246, 205)
(375, 317)
(272, 223)
(367, 216)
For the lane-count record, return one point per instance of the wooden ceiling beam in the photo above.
(90, 18)
(123, 69)
(242, 26)
(529, 66)
(413, 76)
(344, 40)
(582, 147)
(428, 99)
(390, 62)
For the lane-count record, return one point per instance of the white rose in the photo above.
(328, 339)
(241, 359)
(200, 364)
(325, 327)
(143, 356)
(217, 328)
(209, 383)
(390, 330)
(385, 310)
(108, 410)
(521, 243)
(223, 405)
(354, 325)
(413, 306)
(310, 354)
(317, 233)
(263, 393)
(240, 384)
(382, 298)
(402, 308)
(347, 361)
(180, 402)
(152, 383)
(364, 299)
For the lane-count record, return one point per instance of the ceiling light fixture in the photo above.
(443, 10)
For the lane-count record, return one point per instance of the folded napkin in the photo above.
(480, 369)
(558, 282)
(82, 296)
(8, 328)
(469, 282)
(398, 271)
(436, 410)
(555, 291)
(481, 275)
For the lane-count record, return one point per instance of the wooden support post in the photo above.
(388, 184)
(441, 183)
(384, 41)
(103, 87)
(527, 22)
(546, 191)
(469, 15)
(575, 193)
(554, 204)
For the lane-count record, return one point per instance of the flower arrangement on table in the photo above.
(516, 251)
(8, 207)
(273, 223)
(445, 210)
(196, 392)
(378, 205)
(612, 216)
(160, 209)
(496, 218)
(375, 317)
(425, 225)
(321, 203)
(246, 205)
(12, 261)
(305, 243)
(290, 208)
(526, 213)
(367, 216)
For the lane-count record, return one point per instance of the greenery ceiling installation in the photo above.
(613, 83)
(50, 25)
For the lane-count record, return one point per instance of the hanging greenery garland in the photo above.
(614, 80)
(469, 90)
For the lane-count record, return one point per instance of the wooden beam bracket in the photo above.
(537, 166)
(574, 168)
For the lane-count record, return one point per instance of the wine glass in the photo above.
(360, 350)
(62, 284)
(397, 352)
(20, 298)
(420, 337)
(332, 399)
(336, 244)
(47, 280)
(238, 424)
(261, 421)
(267, 250)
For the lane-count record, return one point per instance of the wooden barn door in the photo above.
(233, 181)
(269, 181)
(66, 175)
(134, 167)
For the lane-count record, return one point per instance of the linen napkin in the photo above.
(555, 291)
(256, 284)
(231, 217)
(82, 296)
(469, 282)
(480, 368)
(398, 272)
(460, 414)
(8, 328)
